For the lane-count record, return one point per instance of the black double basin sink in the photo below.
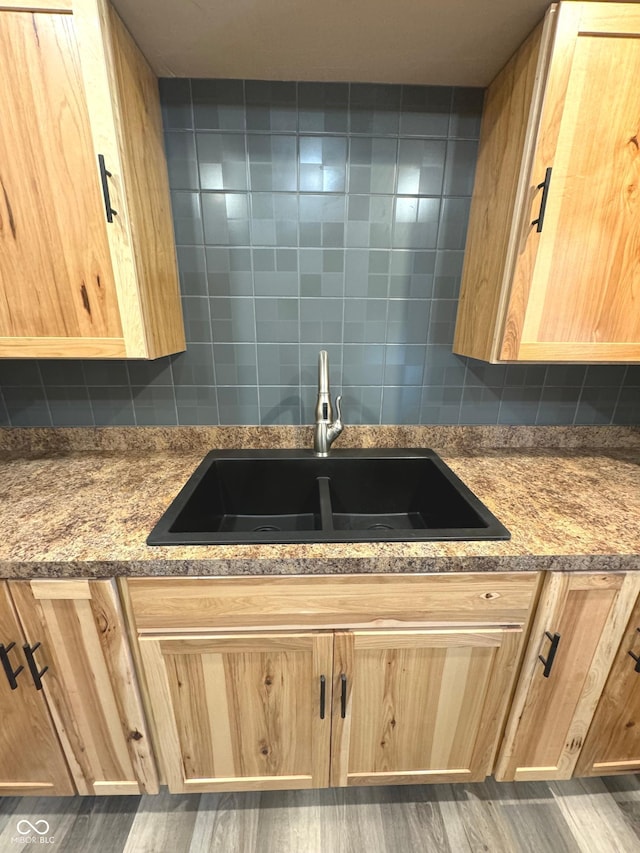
(292, 496)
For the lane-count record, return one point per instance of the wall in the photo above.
(309, 216)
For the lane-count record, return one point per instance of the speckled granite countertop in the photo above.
(84, 506)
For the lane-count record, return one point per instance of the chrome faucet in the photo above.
(326, 429)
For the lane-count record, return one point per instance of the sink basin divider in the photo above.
(326, 510)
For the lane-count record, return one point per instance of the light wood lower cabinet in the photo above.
(264, 705)
(31, 758)
(576, 633)
(241, 712)
(420, 706)
(613, 743)
(79, 677)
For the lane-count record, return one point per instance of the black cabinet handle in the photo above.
(548, 662)
(11, 673)
(104, 174)
(544, 186)
(33, 666)
(636, 658)
(323, 695)
(343, 696)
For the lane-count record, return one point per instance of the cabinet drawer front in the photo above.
(376, 601)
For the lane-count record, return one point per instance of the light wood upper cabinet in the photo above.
(576, 633)
(241, 712)
(551, 269)
(76, 631)
(613, 742)
(87, 257)
(31, 758)
(420, 706)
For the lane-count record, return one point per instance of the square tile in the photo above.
(273, 163)
(323, 107)
(192, 270)
(415, 223)
(218, 104)
(19, 372)
(369, 221)
(238, 406)
(105, 373)
(235, 364)
(480, 405)
(271, 105)
(519, 405)
(175, 100)
(277, 320)
(229, 272)
(408, 322)
(197, 406)
(61, 371)
(462, 156)
(365, 273)
(182, 162)
(233, 319)
(454, 219)
(448, 274)
(309, 366)
(111, 406)
(274, 219)
(372, 165)
(466, 112)
(187, 218)
(226, 219)
(197, 323)
(155, 406)
(279, 405)
(26, 406)
(425, 110)
(323, 163)
(193, 367)
(279, 364)
(322, 220)
(421, 166)
(412, 274)
(156, 372)
(558, 406)
(222, 161)
(374, 108)
(404, 364)
(443, 367)
(401, 405)
(69, 406)
(365, 321)
(363, 364)
(596, 405)
(321, 320)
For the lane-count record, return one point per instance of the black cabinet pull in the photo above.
(104, 174)
(33, 666)
(343, 697)
(544, 186)
(548, 662)
(11, 673)
(636, 658)
(323, 695)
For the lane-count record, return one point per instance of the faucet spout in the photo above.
(326, 429)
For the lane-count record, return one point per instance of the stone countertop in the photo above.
(88, 515)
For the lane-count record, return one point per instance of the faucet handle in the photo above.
(338, 420)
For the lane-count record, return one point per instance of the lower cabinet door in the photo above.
(31, 758)
(420, 706)
(576, 633)
(613, 741)
(241, 712)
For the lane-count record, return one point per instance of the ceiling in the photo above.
(455, 42)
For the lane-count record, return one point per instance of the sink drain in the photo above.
(266, 528)
(379, 527)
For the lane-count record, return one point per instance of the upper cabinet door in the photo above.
(56, 278)
(241, 712)
(420, 706)
(552, 271)
(31, 759)
(87, 256)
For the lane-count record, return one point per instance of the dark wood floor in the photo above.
(580, 816)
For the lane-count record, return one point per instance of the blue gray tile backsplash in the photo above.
(309, 216)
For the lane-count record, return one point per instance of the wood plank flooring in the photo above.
(579, 816)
